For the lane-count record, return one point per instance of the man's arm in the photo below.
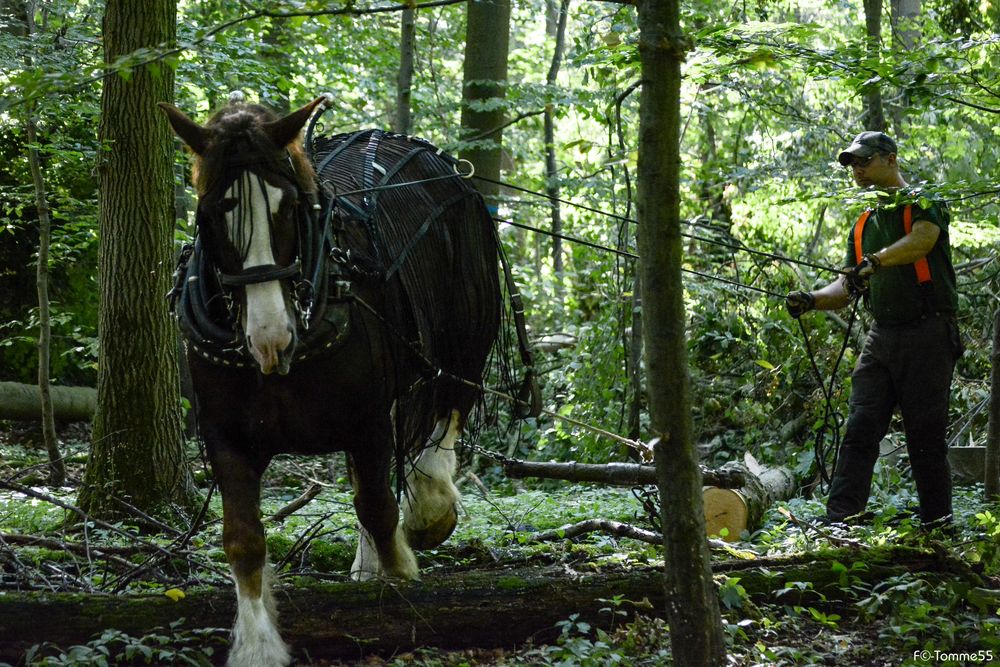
(833, 296)
(911, 247)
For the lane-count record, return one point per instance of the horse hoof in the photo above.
(434, 534)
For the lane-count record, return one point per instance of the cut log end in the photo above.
(726, 513)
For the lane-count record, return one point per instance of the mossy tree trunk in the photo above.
(137, 452)
(692, 603)
(558, 34)
(402, 122)
(487, 39)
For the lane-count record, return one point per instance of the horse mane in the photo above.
(237, 138)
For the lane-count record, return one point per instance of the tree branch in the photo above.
(262, 13)
(616, 528)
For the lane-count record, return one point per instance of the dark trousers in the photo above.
(909, 366)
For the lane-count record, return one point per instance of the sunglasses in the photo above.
(861, 162)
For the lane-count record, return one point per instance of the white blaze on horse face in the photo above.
(268, 326)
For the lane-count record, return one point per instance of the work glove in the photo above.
(797, 303)
(856, 279)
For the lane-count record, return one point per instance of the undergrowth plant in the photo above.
(173, 645)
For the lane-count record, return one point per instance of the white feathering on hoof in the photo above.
(237, 97)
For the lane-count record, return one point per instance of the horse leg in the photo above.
(432, 499)
(382, 548)
(256, 640)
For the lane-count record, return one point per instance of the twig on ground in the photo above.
(616, 528)
(291, 508)
(816, 528)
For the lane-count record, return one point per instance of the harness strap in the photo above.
(260, 274)
(529, 394)
(329, 157)
(921, 266)
(419, 234)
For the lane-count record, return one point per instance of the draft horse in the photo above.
(345, 300)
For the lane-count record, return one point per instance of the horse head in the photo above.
(252, 175)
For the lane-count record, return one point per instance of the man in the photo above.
(900, 261)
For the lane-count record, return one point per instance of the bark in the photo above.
(692, 604)
(57, 470)
(551, 168)
(485, 81)
(993, 438)
(456, 610)
(905, 38)
(137, 451)
(632, 337)
(873, 96)
(20, 402)
(905, 32)
(617, 474)
(404, 79)
(633, 344)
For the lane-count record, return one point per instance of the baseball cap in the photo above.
(867, 144)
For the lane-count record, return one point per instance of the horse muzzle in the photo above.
(273, 352)
(270, 328)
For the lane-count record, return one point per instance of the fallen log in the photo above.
(735, 496)
(615, 528)
(20, 402)
(617, 474)
(730, 511)
(449, 610)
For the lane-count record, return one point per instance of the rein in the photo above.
(832, 420)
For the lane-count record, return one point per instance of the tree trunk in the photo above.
(57, 470)
(875, 116)
(992, 480)
(551, 168)
(137, 450)
(633, 368)
(404, 79)
(632, 337)
(485, 81)
(457, 610)
(905, 38)
(903, 15)
(20, 402)
(692, 603)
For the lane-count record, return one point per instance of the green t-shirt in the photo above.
(894, 295)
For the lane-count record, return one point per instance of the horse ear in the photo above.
(284, 130)
(190, 132)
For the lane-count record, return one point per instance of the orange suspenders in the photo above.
(921, 266)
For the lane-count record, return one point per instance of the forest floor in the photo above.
(920, 617)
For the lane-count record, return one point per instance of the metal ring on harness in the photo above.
(472, 168)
